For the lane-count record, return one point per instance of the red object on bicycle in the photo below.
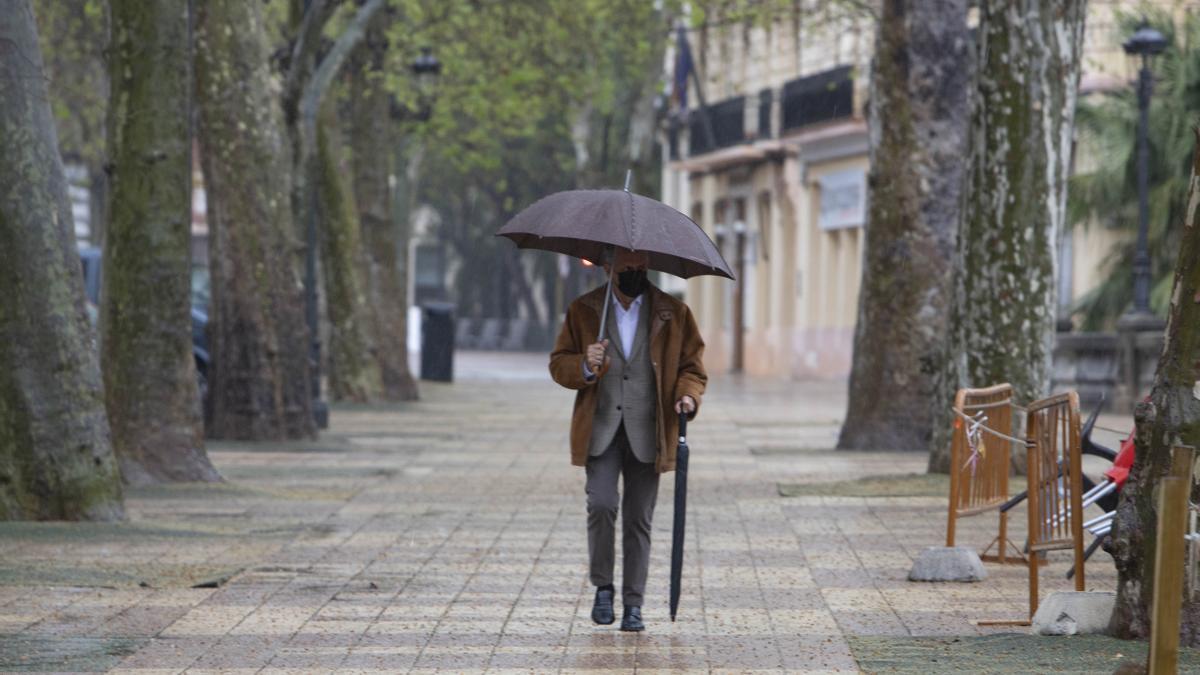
(1119, 472)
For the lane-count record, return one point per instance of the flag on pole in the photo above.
(683, 69)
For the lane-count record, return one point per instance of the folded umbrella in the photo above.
(680, 524)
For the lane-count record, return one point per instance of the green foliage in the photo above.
(517, 77)
(512, 71)
(1107, 197)
(711, 14)
(544, 95)
(73, 35)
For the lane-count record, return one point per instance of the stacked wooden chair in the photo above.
(1055, 479)
(980, 454)
(979, 464)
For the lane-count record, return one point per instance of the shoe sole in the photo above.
(604, 623)
(632, 630)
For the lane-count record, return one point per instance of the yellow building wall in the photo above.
(827, 297)
(803, 282)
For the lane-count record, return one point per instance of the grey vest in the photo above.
(626, 393)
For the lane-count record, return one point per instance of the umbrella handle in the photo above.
(683, 427)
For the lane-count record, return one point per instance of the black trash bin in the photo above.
(437, 341)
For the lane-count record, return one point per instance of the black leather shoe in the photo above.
(632, 621)
(602, 608)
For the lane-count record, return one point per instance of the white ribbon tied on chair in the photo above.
(975, 441)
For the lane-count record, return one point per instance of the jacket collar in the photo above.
(662, 306)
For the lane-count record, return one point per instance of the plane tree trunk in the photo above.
(259, 382)
(353, 374)
(1172, 417)
(149, 372)
(56, 459)
(920, 115)
(306, 84)
(372, 140)
(1001, 326)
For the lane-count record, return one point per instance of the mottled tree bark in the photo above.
(920, 115)
(1172, 417)
(308, 80)
(1001, 327)
(56, 459)
(74, 36)
(353, 374)
(149, 373)
(372, 142)
(259, 382)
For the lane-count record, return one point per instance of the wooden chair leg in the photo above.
(1033, 584)
(1003, 538)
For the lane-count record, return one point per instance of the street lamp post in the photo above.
(1146, 43)
(1140, 330)
(426, 70)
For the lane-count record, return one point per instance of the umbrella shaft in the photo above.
(612, 269)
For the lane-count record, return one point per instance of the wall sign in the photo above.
(843, 199)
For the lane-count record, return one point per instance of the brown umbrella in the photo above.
(590, 224)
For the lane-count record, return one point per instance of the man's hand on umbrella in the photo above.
(685, 405)
(596, 357)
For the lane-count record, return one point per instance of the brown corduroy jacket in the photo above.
(676, 355)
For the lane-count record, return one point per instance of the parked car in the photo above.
(90, 259)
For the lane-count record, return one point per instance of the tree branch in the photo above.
(304, 52)
(318, 84)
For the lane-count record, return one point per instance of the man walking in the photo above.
(632, 384)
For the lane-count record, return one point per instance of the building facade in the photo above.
(776, 175)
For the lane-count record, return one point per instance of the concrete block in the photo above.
(1074, 613)
(947, 563)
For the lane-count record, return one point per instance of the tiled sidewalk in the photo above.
(449, 535)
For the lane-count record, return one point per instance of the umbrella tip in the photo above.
(628, 175)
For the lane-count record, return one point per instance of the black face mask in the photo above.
(632, 282)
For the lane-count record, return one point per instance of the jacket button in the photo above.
(618, 407)
(626, 377)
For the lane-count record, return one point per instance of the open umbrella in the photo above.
(677, 528)
(591, 224)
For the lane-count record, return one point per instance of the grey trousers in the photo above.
(641, 492)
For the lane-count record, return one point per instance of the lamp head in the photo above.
(1145, 41)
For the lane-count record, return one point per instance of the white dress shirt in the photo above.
(627, 320)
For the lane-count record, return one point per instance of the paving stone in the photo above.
(449, 533)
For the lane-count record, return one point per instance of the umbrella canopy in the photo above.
(585, 223)
(680, 524)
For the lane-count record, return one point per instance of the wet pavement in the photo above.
(449, 535)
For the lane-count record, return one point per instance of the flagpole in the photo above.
(690, 64)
